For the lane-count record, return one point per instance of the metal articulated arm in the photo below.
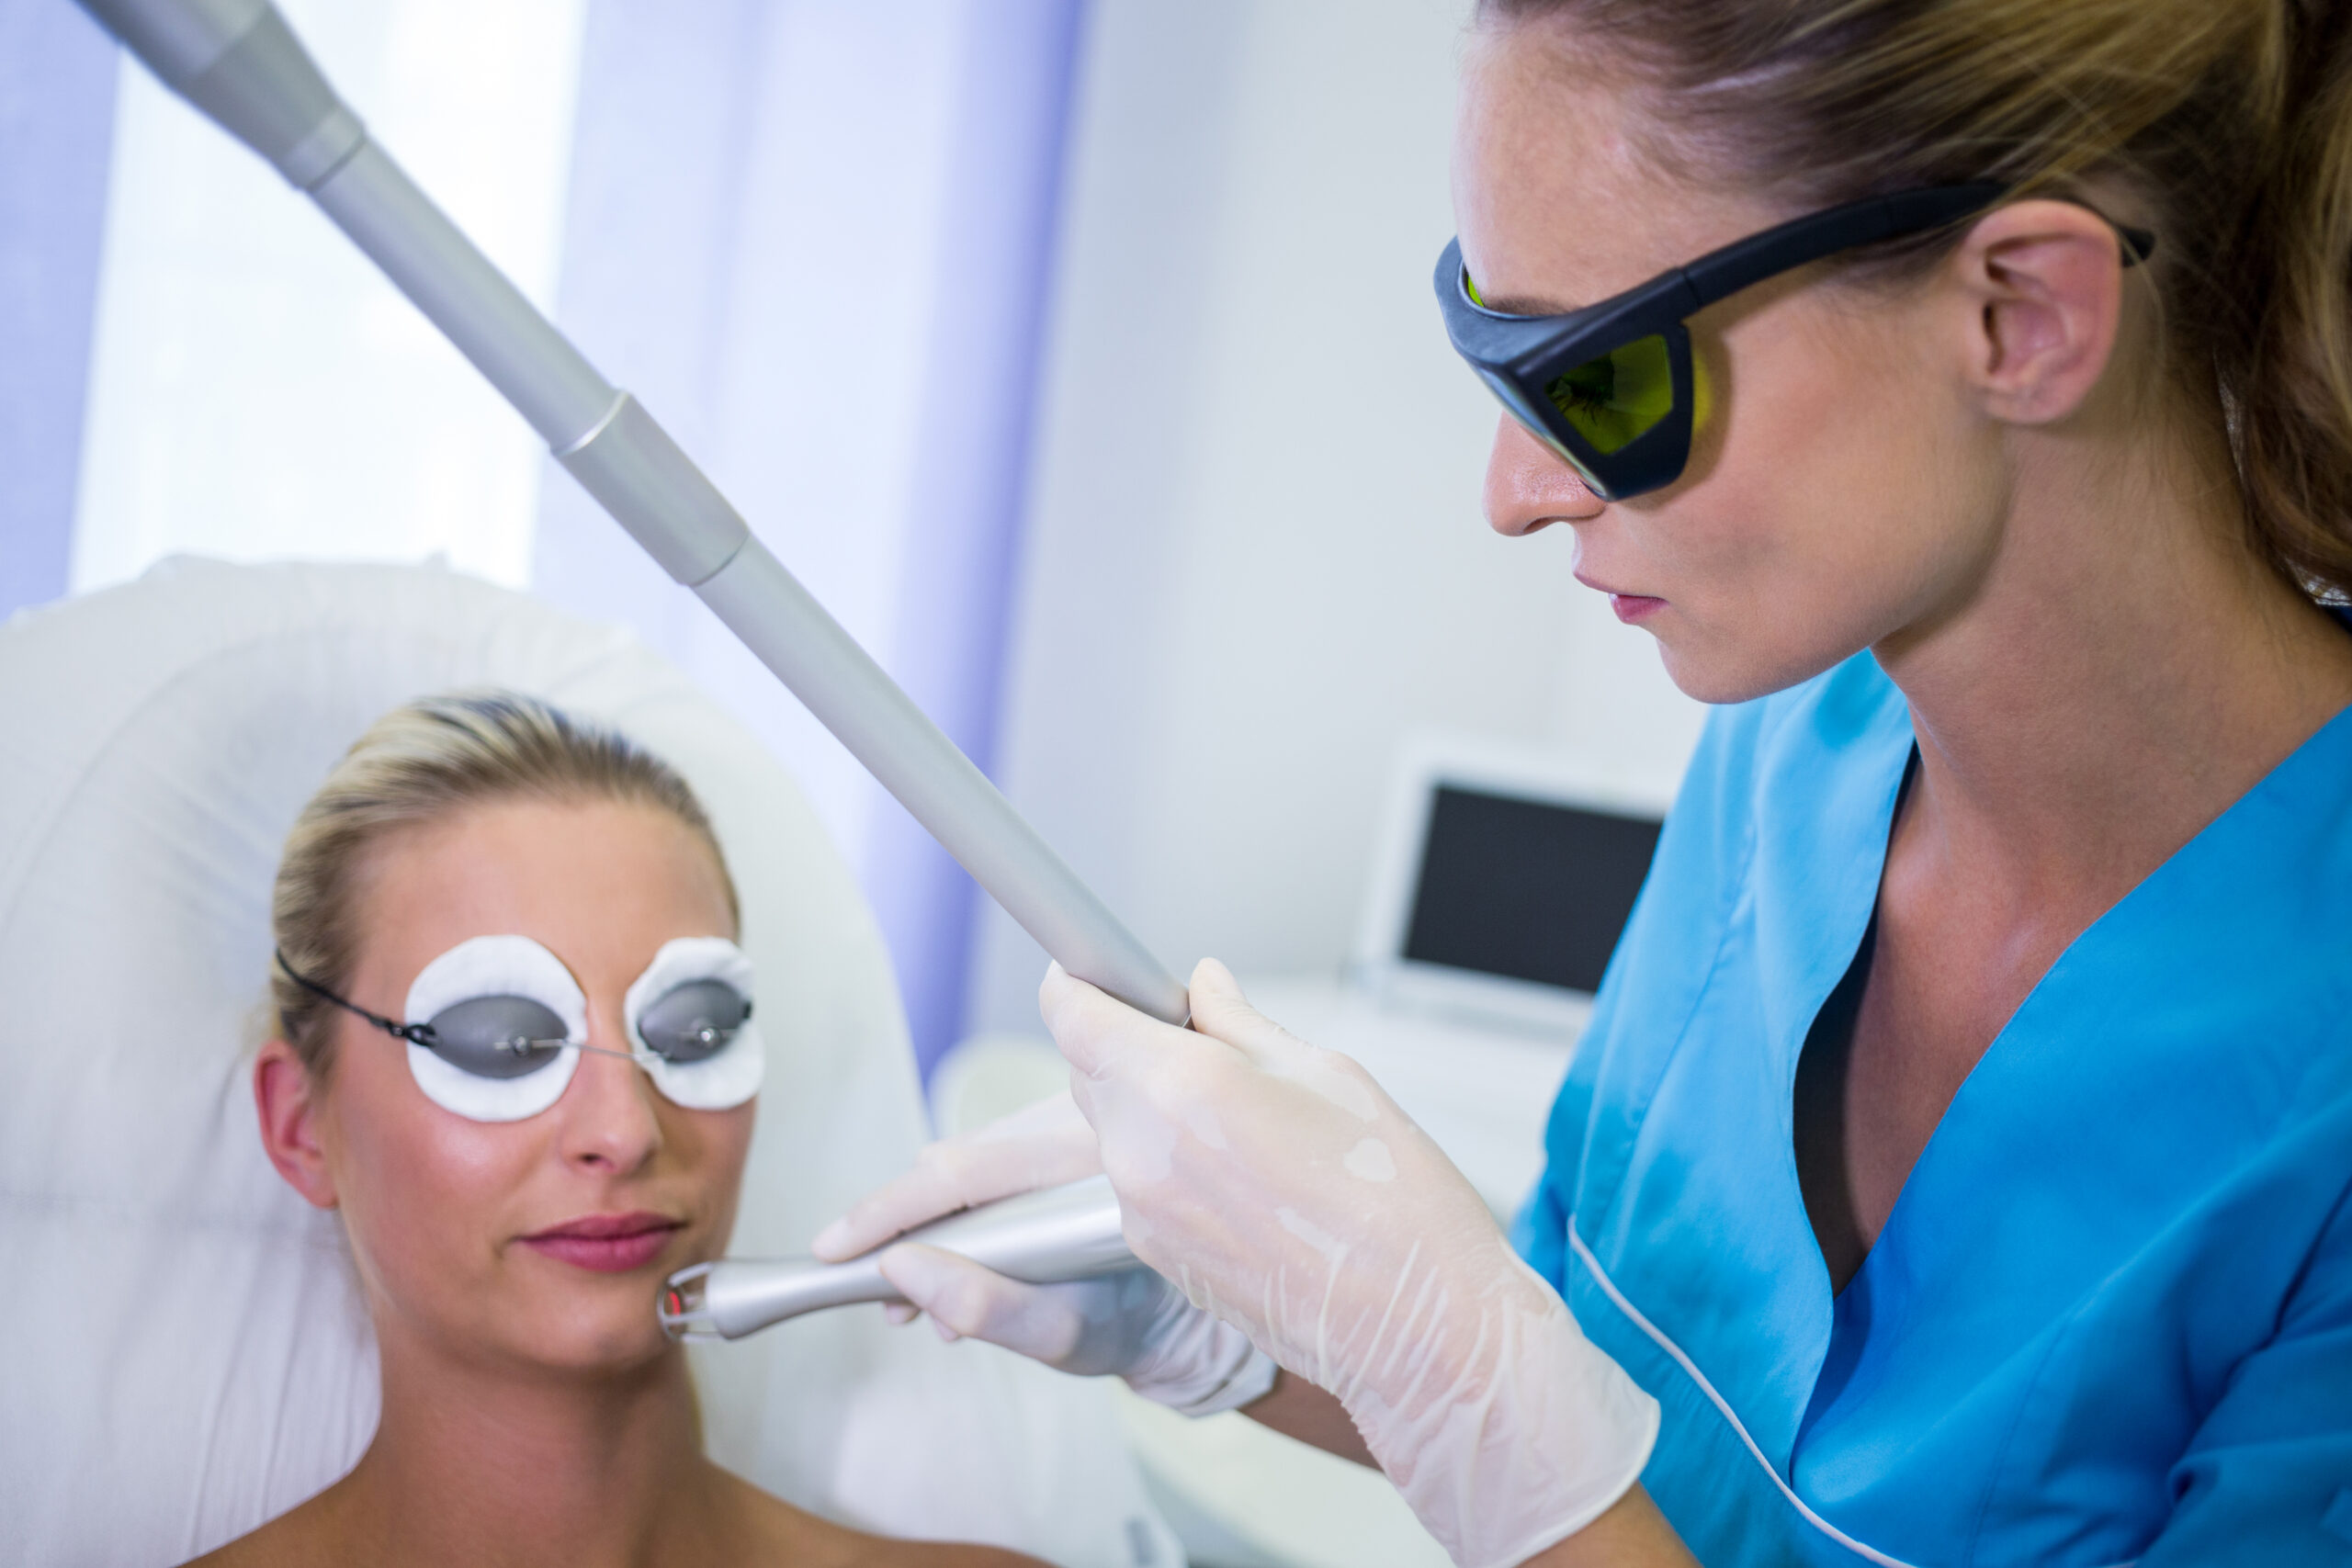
(239, 63)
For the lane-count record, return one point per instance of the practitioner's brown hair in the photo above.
(2225, 126)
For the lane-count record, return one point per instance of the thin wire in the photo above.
(414, 1034)
(422, 1033)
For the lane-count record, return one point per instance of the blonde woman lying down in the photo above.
(516, 1053)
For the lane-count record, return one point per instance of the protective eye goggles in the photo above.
(505, 1024)
(1610, 388)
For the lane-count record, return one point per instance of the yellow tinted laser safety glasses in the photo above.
(1610, 388)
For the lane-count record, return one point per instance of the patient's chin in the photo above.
(595, 1324)
(606, 1345)
(613, 1333)
(527, 1314)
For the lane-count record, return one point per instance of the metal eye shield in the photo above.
(507, 1037)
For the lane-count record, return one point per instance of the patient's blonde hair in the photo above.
(418, 763)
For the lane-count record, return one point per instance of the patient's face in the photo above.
(451, 1218)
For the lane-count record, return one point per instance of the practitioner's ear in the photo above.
(290, 1104)
(2044, 301)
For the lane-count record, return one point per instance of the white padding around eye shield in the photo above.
(730, 1075)
(496, 966)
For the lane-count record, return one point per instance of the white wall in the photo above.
(1255, 557)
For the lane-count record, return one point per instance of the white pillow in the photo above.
(183, 1350)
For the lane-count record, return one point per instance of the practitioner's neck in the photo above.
(2125, 670)
(476, 1463)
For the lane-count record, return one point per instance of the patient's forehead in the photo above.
(601, 883)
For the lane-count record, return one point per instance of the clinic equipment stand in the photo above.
(239, 63)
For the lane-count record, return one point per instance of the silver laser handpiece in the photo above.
(1061, 1233)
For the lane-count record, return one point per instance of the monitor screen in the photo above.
(1526, 888)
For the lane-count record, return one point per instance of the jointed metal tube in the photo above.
(237, 60)
(239, 63)
(429, 259)
(851, 696)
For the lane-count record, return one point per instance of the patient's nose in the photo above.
(608, 1117)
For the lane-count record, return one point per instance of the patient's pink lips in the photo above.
(608, 1244)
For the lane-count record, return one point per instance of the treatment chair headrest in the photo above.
(188, 1353)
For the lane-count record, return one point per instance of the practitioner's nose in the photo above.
(1529, 488)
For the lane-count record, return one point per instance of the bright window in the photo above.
(257, 390)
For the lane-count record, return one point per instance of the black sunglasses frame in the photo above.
(1520, 356)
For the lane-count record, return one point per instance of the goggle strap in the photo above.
(415, 1034)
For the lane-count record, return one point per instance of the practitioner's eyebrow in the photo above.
(1526, 305)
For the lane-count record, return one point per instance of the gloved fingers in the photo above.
(1100, 1035)
(1155, 1092)
(1222, 1012)
(966, 1301)
(901, 1312)
(1138, 1081)
(1041, 1145)
(1104, 1039)
(1199, 1365)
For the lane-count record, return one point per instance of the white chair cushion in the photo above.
(183, 1349)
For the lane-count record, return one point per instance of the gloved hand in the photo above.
(1279, 1189)
(1132, 1323)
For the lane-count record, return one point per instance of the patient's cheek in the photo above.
(725, 1145)
(423, 1191)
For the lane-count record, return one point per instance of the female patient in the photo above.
(515, 1051)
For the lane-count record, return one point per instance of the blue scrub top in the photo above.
(2110, 1316)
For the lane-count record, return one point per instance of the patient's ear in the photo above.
(287, 1099)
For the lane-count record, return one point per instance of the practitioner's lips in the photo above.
(1630, 607)
(608, 1244)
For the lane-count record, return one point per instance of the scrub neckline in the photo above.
(1849, 1321)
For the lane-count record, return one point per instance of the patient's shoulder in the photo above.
(302, 1535)
(790, 1536)
(857, 1550)
(939, 1554)
(763, 1527)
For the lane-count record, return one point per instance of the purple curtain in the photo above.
(57, 77)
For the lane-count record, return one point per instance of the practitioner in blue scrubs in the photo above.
(2110, 1312)
(1957, 1167)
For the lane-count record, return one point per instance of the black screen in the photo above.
(1524, 888)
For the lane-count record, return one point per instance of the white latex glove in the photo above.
(1282, 1189)
(1134, 1323)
